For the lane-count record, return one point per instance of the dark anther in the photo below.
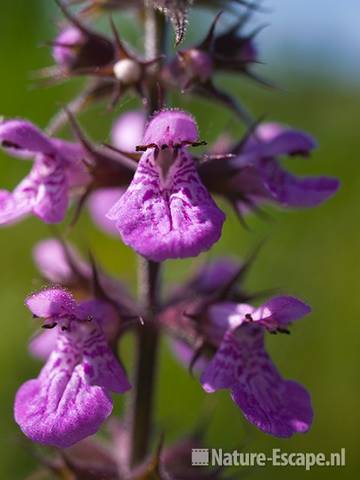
(141, 148)
(199, 144)
(90, 318)
(35, 316)
(249, 317)
(64, 328)
(49, 326)
(7, 144)
(164, 147)
(284, 330)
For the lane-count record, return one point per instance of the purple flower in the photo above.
(70, 398)
(271, 140)
(276, 406)
(255, 174)
(207, 280)
(100, 203)
(167, 212)
(60, 263)
(128, 131)
(57, 170)
(66, 46)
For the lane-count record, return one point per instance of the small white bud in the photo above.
(127, 71)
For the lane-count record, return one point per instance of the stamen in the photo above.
(143, 148)
(7, 144)
(49, 326)
(284, 330)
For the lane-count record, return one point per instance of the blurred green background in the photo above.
(313, 254)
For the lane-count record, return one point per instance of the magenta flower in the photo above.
(167, 212)
(272, 140)
(128, 131)
(71, 397)
(99, 203)
(276, 406)
(255, 175)
(57, 170)
(60, 263)
(67, 45)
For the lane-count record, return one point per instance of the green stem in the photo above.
(149, 288)
(146, 362)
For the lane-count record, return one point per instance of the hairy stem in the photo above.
(146, 362)
(149, 287)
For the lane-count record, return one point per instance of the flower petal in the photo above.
(72, 154)
(276, 406)
(62, 410)
(61, 406)
(100, 203)
(171, 127)
(43, 343)
(210, 278)
(128, 131)
(100, 364)
(51, 302)
(290, 142)
(221, 370)
(279, 311)
(274, 139)
(22, 138)
(214, 275)
(66, 46)
(53, 190)
(59, 263)
(292, 191)
(14, 206)
(175, 218)
(224, 316)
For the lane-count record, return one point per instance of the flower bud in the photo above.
(127, 71)
(128, 131)
(67, 45)
(78, 47)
